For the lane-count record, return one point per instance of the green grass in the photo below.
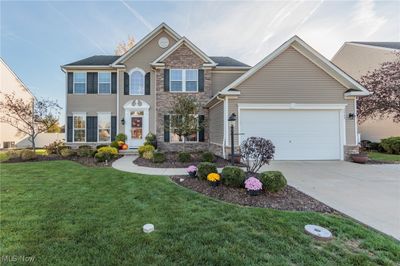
(379, 156)
(64, 213)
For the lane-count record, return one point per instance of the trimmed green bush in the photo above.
(159, 157)
(114, 144)
(149, 155)
(145, 148)
(207, 157)
(13, 154)
(233, 176)
(391, 145)
(100, 157)
(121, 137)
(28, 155)
(184, 157)
(273, 181)
(67, 153)
(203, 169)
(376, 146)
(54, 147)
(101, 146)
(85, 151)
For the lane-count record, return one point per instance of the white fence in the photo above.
(41, 140)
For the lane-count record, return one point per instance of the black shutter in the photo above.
(126, 83)
(114, 82)
(70, 82)
(166, 79)
(90, 83)
(147, 84)
(201, 80)
(69, 128)
(113, 127)
(95, 82)
(166, 128)
(91, 129)
(201, 131)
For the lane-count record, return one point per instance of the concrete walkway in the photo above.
(368, 193)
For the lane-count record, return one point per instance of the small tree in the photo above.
(29, 117)
(384, 84)
(256, 151)
(123, 47)
(184, 117)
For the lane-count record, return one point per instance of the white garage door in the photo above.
(296, 134)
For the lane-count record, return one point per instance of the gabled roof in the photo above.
(313, 56)
(389, 45)
(146, 39)
(96, 60)
(225, 61)
(191, 46)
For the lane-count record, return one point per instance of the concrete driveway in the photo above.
(368, 193)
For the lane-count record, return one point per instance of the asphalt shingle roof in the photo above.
(227, 61)
(96, 60)
(391, 45)
(105, 60)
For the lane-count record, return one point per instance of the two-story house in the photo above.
(294, 96)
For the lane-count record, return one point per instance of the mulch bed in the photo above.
(172, 161)
(289, 198)
(87, 161)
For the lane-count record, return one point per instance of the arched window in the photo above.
(136, 82)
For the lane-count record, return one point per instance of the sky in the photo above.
(37, 37)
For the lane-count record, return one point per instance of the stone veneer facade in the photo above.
(182, 58)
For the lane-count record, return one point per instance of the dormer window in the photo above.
(136, 82)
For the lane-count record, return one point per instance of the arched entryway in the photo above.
(136, 122)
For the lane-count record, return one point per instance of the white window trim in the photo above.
(98, 83)
(183, 80)
(73, 126)
(73, 82)
(103, 113)
(180, 142)
(131, 83)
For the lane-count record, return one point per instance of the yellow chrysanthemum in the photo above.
(213, 177)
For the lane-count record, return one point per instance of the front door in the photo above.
(136, 123)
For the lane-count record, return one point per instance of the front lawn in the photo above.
(384, 157)
(61, 212)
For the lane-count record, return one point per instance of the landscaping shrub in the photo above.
(28, 155)
(115, 144)
(101, 146)
(256, 152)
(151, 139)
(233, 176)
(67, 153)
(106, 153)
(148, 155)
(54, 147)
(121, 137)
(203, 169)
(145, 148)
(13, 154)
(85, 151)
(159, 157)
(273, 181)
(376, 146)
(391, 145)
(207, 157)
(184, 157)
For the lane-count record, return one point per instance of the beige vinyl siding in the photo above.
(221, 79)
(91, 104)
(142, 59)
(350, 123)
(292, 78)
(216, 123)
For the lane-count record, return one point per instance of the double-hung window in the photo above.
(174, 138)
(79, 127)
(104, 82)
(104, 127)
(79, 82)
(137, 82)
(184, 80)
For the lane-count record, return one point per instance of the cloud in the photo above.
(365, 16)
(137, 15)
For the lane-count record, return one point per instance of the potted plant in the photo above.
(192, 171)
(253, 186)
(214, 179)
(361, 157)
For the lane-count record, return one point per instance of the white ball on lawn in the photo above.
(148, 228)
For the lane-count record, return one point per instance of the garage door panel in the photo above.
(296, 134)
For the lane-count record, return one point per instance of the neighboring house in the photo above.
(356, 59)
(10, 83)
(41, 140)
(294, 96)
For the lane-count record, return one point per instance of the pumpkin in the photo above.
(124, 147)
